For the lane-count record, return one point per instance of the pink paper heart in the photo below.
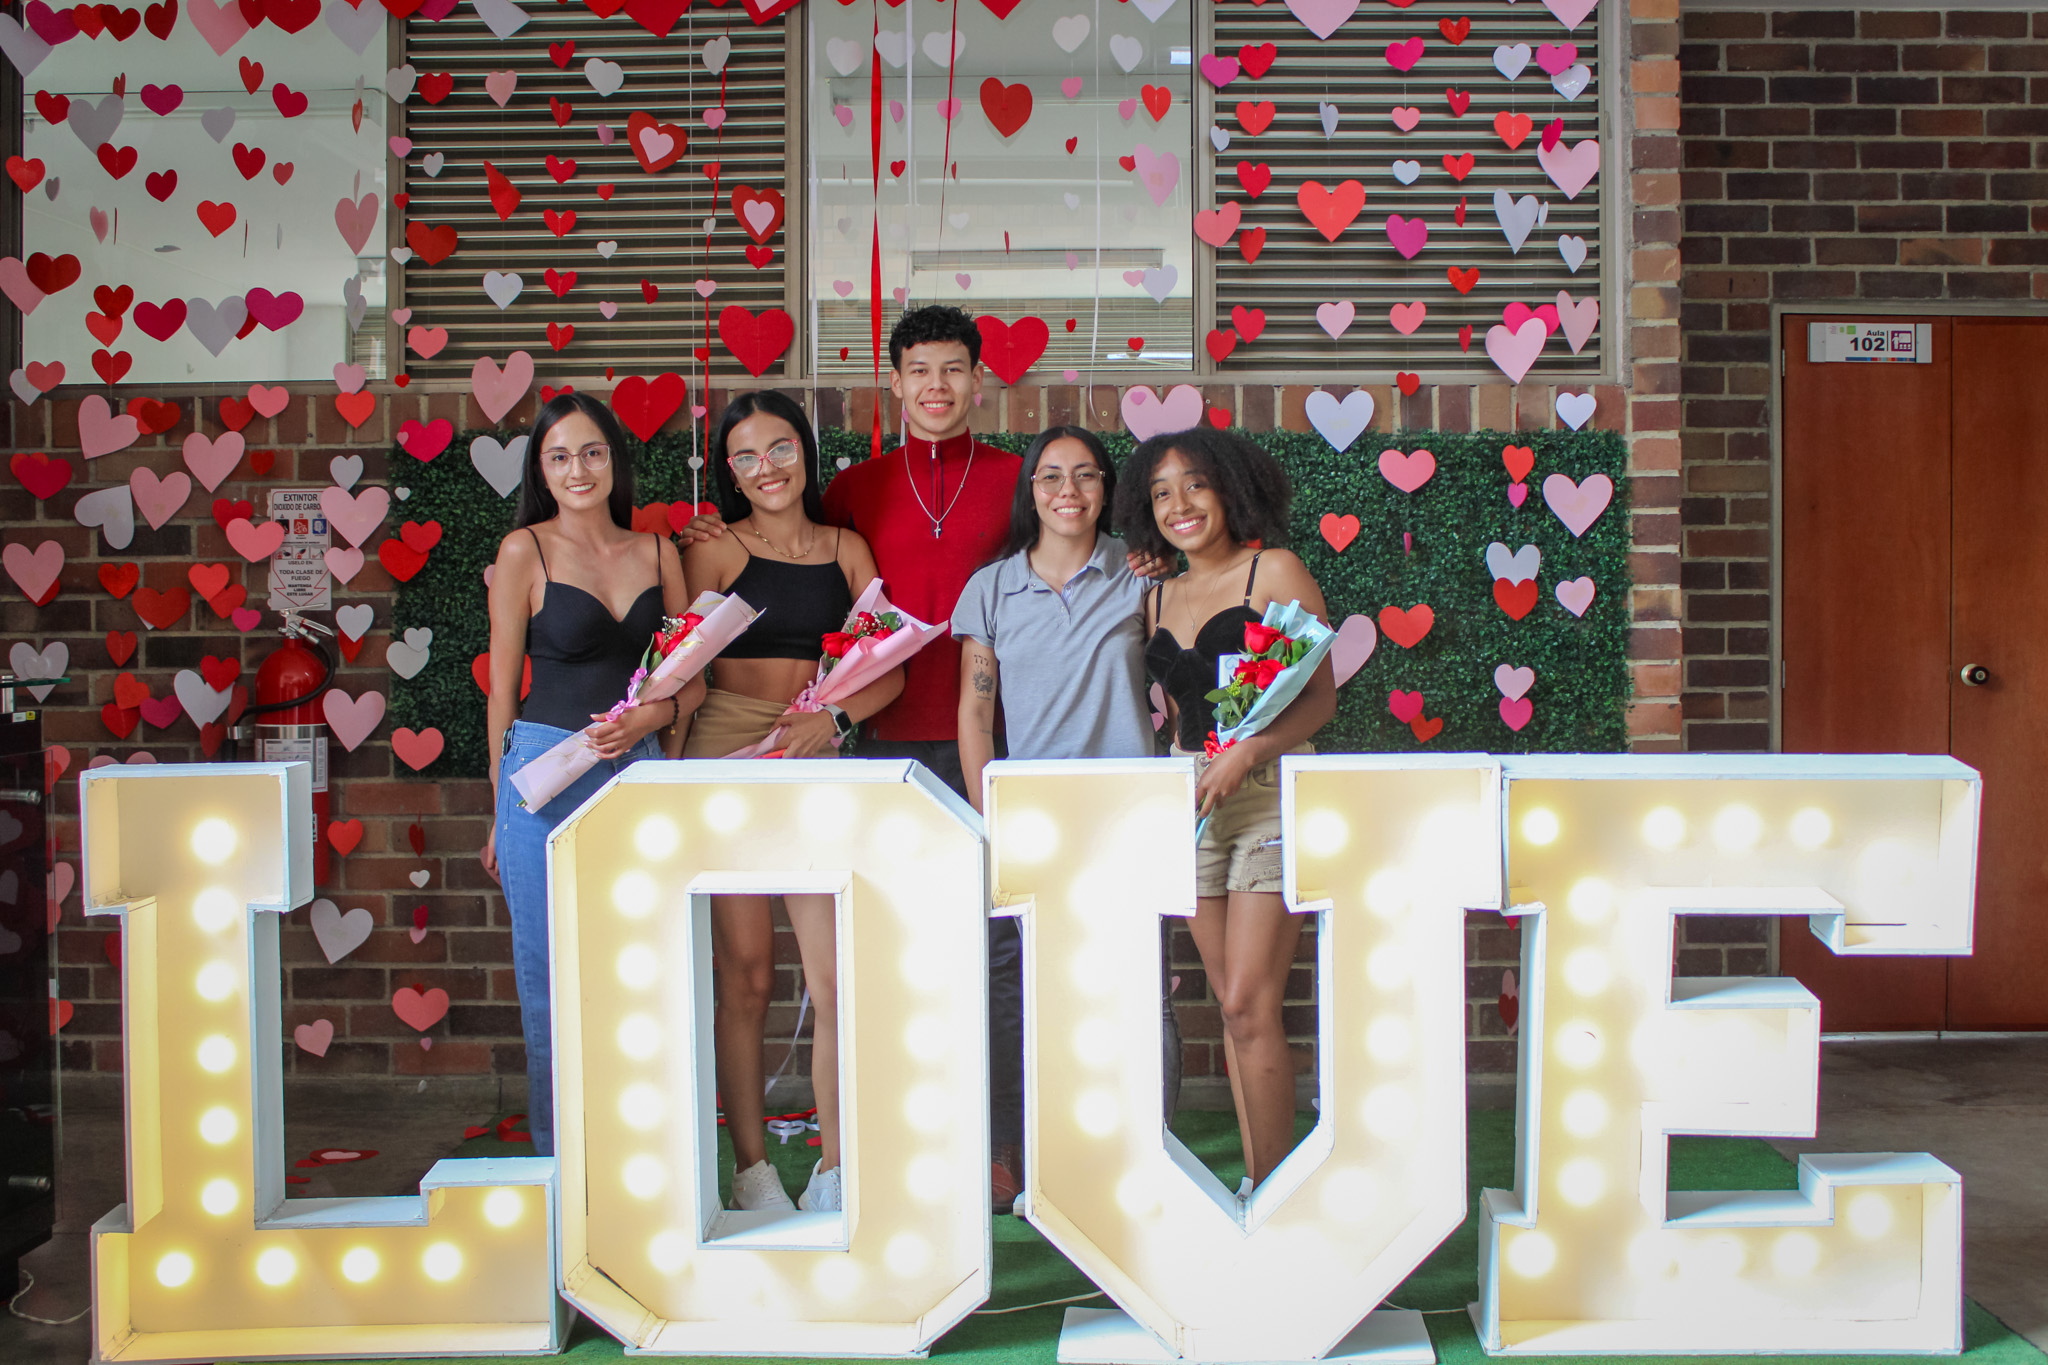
(401, 316)
(1322, 17)
(1219, 71)
(1406, 706)
(1336, 318)
(1356, 640)
(949, 109)
(499, 85)
(346, 564)
(896, 111)
(1515, 314)
(1514, 683)
(1071, 87)
(315, 1037)
(1516, 712)
(245, 619)
(1147, 414)
(714, 119)
(1578, 505)
(1571, 169)
(605, 134)
(1134, 277)
(706, 288)
(1409, 235)
(842, 112)
(1069, 376)
(1407, 472)
(1575, 595)
(351, 718)
(1406, 116)
(1515, 350)
(1518, 493)
(1127, 110)
(401, 147)
(608, 309)
(211, 461)
(1556, 57)
(1403, 56)
(1406, 317)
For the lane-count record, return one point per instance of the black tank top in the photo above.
(1189, 675)
(583, 657)
(799, 604)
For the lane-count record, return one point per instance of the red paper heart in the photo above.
(1426, 730)
(236, 413)
(644, 404)
(1518, 460)
(1220, 343)
(432, 245)
(344, 835)
(1405, 706)
(761, 257)
(435, 87)
(480, 669)
(51, 274)
(1250, 242)
(161, 609)
(759, 225)
(1455, 31)
(1407, 383)
(560, 335)
(1459, 100)
(656, 146)
(1516, 599)
(1257, 61)
(400, 560)
(1463, 280)
(1254, 176)
(355, 408)
(129, 691)
(1219, 418)
(1406, 628)
(416, 835)
(1157, 100)
(1008, 107)
(119, 723)
(118, 161)
(1255, 118)
(119, 579)
(755, 340)
(1010, 349)
(42, 476)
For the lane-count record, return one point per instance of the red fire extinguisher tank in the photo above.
(288, 721)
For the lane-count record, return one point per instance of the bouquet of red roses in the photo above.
(875, 638)
(678, 653)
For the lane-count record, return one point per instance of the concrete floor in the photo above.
(1979, 1104)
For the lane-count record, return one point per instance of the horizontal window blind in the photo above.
(656, 220)
(1298, 271)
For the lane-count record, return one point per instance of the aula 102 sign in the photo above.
(1590, 1253)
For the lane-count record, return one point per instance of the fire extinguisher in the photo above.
(288, 723)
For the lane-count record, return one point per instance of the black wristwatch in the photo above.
(842, 723)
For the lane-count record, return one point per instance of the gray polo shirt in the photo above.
(1072, 661)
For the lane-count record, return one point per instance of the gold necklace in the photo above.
(800, 554)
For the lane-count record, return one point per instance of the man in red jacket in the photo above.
(934, 510)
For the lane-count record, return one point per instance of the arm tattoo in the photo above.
(984, 683)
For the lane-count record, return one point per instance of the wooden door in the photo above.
(2000, 588)
(1865, 630)
(1916, 543)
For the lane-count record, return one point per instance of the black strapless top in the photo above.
(1189, 675)
(799, 604)
(582, 655)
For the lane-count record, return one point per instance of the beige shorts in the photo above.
(728, 722)
(1240, 848)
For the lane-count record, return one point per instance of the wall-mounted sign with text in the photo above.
(1896, 343)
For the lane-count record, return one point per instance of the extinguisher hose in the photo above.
(327, 667)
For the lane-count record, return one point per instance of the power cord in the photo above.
(29, 1275)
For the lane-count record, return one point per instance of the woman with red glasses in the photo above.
(803, 577)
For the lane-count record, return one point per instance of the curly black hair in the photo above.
(1254, 490)
(935, 322)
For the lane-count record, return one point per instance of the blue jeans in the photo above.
(523, 872)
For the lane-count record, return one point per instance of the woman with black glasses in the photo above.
(803, 577)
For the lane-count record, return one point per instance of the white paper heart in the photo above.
(1511, 60)
(355, 619)
(845, 54)
(1340, 422)
(1070, 32)
(408, 656)
(1407, 172)
(48, 662)
(501, 465)
(1572, 81)
(1219, 136)
(1519, 567)
(1576, 409)
(1514, 683)
(1517, 217)
(345, 470)
(1126, 50)
(1573, 250)
(199, 699)
(339, 934)
(112, 510)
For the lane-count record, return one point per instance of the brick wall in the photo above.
(466, 947)
(1828, 156)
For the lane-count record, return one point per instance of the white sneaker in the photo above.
(759, 1187)
(822, 1194)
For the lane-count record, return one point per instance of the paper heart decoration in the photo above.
(1408, 235)
(352, 719)
(1158, 172)
(1516, 599)
(1146, 414)
(355, 619)
(1516, 351)
(1338, 531)
(1578, 319)
(1407, 317)
(408, 656)
(34, 571)
(356, 516)
(343, 564)
(502, 466)
(1576, 409)
(1330, 211)
(1407, 472)
(100, 432)
(1519, 567)
(1322, 17)
(1514, 683)
(48, 662)
(497, 390)
(1516, 712)
(1511, 60)
(1011, 349)
(1407, 628)
(1578, 505)
(253, 542)
(112, 511)
(1336, 319)
(420, 1009)
(416, 750)
(201, 701)
(1572, 81)
(1575, 595)
(317, 1036)
(1339, 421)
(1356, 640)
(1571, 169)
(1406, 706)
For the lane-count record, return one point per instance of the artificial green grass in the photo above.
(1029, 1270)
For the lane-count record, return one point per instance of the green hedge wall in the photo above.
(1582, 680)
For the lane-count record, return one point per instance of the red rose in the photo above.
(1265, 671)
(1245, 671)
(837, 643)
(1258, 639)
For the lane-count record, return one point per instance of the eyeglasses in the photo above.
(592, 458)
(1086, 480)
(782, 455)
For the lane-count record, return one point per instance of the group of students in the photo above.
(1057, 626)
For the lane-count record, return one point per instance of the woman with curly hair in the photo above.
(1222, 502)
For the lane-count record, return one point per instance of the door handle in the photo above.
(1975, 675)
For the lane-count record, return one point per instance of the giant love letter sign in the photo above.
(1591, 1252)
(1387, 853)
(208, 1259)
(646, 1250)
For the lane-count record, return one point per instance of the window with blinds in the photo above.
(638, 245)
(1333, 108)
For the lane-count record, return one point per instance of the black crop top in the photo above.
(582, 655)
(799, 604)
(1189, 675)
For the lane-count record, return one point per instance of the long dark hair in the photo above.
(725, 490)
(1024, 523)
(1249, 482)
(536, 503)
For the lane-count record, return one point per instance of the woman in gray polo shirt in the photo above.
(1053, 630)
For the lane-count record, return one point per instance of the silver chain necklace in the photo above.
(938, 469)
